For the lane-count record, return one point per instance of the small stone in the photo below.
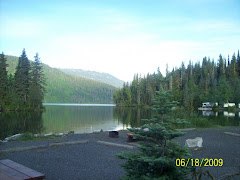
(49, 134)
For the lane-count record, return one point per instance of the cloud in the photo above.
(123, 57)
(117, 41)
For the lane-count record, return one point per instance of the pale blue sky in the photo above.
(120, 37)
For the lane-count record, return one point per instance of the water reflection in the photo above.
(80, 119)
(207, 113)
(228, 114)
(223, 118)
(131, 116)
(86, 119)
(20, 122)
(225, 113)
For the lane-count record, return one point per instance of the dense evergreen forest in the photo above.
(25, 89)
(190, 85)
(66, 88)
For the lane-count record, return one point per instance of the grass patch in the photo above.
(200, 122)
(29, 136)
(14, 148)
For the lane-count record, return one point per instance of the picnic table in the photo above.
(10, 170)
(131, 137)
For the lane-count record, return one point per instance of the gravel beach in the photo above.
(97, 161)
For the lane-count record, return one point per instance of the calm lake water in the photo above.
(86, 118)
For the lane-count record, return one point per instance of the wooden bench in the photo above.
(10, 170)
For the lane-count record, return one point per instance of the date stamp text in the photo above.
(199, 162)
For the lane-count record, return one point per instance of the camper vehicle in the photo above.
(207, 105)
(229, 105)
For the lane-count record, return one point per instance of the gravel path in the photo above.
(217, 145)
(98, 161)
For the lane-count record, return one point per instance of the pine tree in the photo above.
(233, 67)
(134, 89)
(36, 88)
(221, 66)
(12, 95)
(156, 157)
(138, 90)
(3, 80)
(22, 78)
(224, 91)
(238, 63)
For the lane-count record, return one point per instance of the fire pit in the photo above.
(113, 134)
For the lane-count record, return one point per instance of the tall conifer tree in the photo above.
(36, 88)
(156, 157)
(22, 77)
(3, 80)
(238, 63)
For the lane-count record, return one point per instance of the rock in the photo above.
(232, 134)
(71, 132)
(49, 134)
(187, 129)
(193, 143)
(60, 134)
(36, 135)
(115, 144)
(14, 137)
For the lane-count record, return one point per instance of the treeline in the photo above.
(191, 85)
(66, 88)
(25, 89)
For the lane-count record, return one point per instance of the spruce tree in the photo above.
(157, 154)
(3, 80)
(238, 63)
(22, 78)
(36, 88)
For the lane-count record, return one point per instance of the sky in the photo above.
(120, 37)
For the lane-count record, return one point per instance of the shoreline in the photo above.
(36, 137)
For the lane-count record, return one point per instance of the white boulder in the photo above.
(14, 137)
(49, 134)
(192, 143)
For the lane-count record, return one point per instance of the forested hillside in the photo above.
(65, 88)
(191, 84)
(97, 76)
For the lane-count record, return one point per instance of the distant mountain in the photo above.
(97, 76)
(65, 88)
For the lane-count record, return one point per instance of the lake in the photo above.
(87, 118)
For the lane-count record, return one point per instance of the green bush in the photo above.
(26, 137)
(200, 122)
